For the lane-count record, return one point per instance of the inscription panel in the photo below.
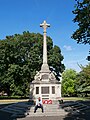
(44, 90)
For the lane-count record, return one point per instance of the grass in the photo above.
(12, 100)
(25, 100)
(76, 98)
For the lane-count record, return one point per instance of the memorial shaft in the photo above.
(44, 25)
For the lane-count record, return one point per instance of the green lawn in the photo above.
(12, 100)
(23, 100)
(76, 98)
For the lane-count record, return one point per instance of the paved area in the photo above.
(83, 114)
(50, 110)
(44, 118)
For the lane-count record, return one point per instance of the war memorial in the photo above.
(45, 84)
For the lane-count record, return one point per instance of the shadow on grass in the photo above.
(20, 108)
(4, 115)
(83, 114)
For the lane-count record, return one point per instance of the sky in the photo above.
(17, 16)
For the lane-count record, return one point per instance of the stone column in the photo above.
(44, 49)
(45, 67)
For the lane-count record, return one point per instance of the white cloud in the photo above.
(75, 64)
(67, 47)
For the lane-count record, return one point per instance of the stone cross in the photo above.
(44, 25)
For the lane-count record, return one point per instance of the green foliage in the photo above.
(74, 84)
(21, 57)
(83, 80)
(68, 82)
(82, 17)
(55, 57)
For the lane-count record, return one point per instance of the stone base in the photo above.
(44, 75)
(45, 85)
(45, 68)
(47, 91)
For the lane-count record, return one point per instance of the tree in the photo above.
(83, 80)
(54, 59)
(88, 57)
(68, 82)
(21, 57)
(82, 17)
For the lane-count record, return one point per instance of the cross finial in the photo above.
(44, 25)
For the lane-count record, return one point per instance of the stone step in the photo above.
(49, 110)
(55, 105)
(40, 111)
(53, 114)
(23, 105)
(16, 108)
(12, 110)
(24, 109)
(56, 110)
(9, 111)
(47, 113)
(52, 107)
(48, 107)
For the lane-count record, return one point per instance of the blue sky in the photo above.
(17, 16)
